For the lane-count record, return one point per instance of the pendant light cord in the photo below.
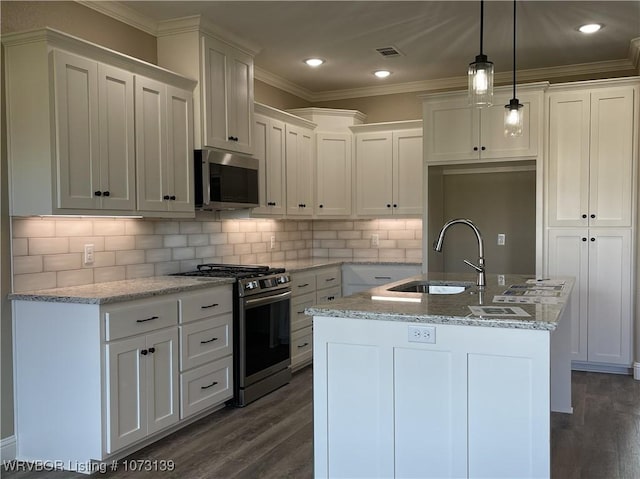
(481, 23)
(514, 48)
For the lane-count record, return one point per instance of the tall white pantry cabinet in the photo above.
(591, 195)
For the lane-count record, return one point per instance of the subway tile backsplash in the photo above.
(48, 252)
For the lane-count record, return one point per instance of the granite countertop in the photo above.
(118, 291)
(296, 266)
(448, 308)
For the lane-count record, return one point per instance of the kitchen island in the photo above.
(410, 384)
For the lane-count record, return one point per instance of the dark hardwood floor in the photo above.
(273, 437)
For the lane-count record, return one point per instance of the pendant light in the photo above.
(513, 112)
(481, 73)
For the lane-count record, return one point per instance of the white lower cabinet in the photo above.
(474, 404)
(114, 375)
(206, 349)
(601, 304)
(142, 375)
(308, 288)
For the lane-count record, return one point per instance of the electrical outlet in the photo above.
(422, 334)
(273, 242)
(501, 279)
(88, 254)
(501, 239)
(375, 240)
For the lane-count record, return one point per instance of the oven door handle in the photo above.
(267, 299)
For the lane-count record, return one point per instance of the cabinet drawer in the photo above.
(303, 283)
(205, 341)
(328, 278)
(301, 347)
(206, 386)
(129, 320)
(298, 304)
(329, 294)
(209, 302)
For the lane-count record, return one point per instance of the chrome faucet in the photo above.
(437, 246)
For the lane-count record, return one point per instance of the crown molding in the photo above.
(202, 24)
(634, 53)
(453, 83)
(283, 84)
(122, 13)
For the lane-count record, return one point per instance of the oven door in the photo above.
(265, 336)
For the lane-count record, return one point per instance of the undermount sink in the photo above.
(433, 287)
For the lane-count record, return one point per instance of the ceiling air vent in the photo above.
(388, 52)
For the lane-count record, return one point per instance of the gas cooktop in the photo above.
(238, 271)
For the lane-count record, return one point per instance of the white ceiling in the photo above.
(438, 38)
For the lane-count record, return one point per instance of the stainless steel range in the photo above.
(261, 327)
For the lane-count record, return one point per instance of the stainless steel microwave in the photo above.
(225, 181)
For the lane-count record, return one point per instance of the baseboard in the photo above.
(636, 371)
(8, 448)
(602, 368)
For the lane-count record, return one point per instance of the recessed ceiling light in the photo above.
(314, 62)
(590, 27)
(382, 73)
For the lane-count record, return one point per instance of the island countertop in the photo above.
(383, 305)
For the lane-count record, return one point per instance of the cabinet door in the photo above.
(179, 177)
(240, 99)
(568, 256)
(162, 379)
(494, 143)
(611, 157)
(269, 150)
(299, 157)
(227, 97)
(76, 110)
(333, 174)
(214, 94)
(151, 144)
(117, 138)
(374, 171)
(451, 130)
(126, 417)
(568, 163)
(610, 312)
(407, 172)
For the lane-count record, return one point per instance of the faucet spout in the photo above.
(480, 267)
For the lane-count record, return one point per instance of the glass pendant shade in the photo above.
(481, 82)
(513, 113)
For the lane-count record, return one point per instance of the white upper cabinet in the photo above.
(333, 174)
(223, 99)
(164, 147)
(333, 158)
(389, 169)
(71, 126)
(117, 138)
(591, 160)
(299, 161)
(456, 132)
(227, 95)
(269, 150)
